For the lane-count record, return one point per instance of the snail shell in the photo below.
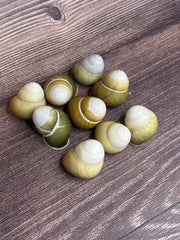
(142, 123)
(54, 125)
(89, 70)
(85, 160)
(86, 112)
(59, 89)
(28, 98)
(112, 89)
(114, 136)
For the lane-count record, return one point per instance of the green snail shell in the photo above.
(28, 98)
(112, 88)
(142, 123)
(85, 160)
(114, 136)
(59, 89)
(89, 70)
(86, 112)
(54, 125)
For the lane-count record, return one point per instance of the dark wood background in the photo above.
(137, 194)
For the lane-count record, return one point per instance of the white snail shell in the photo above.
(114, 136)
(89, 70)
(54, 125)
(142, 123)
(112, 88)
(86, 112)
(28, 98)
(59, 89)
(85, 160)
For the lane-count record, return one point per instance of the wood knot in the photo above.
(54, 12)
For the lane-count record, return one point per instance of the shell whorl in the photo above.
(60, 89)
(118, 135)
(28, 98)
(93, 109)
(116, 80)
(142, 123)
(32, 92)
(85, 160)
(113, 136)
(90, 152)
(137, 116)
(86, 112)
(54, 125)
(93, 64)
(45, 119)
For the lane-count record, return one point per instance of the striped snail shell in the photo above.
(59, 89)
(112, 88)
(54, 125)
(89, 70)
(28, 98)
(85, 160)
(114, 136)
(142, 123)
(86, 112)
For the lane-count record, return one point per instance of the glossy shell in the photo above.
(60, 89)
(28, 98)
(114, 136)
(86, 112)
(89, 70)
(142, 123)
(112, 89)
(54, 125)
(85, 160)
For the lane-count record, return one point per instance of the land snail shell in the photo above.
(142, 123)
(89, 70)
(86, 112)
(54, 125)
(114, 136)
(85, 160)
(112, 88)
(59, 89)
(28, 98)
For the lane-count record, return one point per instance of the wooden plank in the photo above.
(136, 187)
(164, 226)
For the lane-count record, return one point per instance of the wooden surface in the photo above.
(137, 194)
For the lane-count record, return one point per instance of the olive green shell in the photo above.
(109, 96)
(61, 132)
(84, 77)
(141, 135)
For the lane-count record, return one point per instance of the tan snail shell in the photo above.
(142, 123)
(89, 70)
(54, 125)
(86, 112)
(114, 136)
(28, 98)
(59, 89)
(112, 88)
(85, 160)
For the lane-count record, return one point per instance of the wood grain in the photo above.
(137, 194)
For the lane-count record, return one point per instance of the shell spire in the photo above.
(86, 112)
(142, 123)
(54, 125)
(112, 88)
(114, 136)
(28, 98)
(89, 70)
(85, 160)
(59, 89)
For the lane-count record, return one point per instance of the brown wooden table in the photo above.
(137, 193)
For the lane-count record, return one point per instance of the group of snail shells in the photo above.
(85, 160)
